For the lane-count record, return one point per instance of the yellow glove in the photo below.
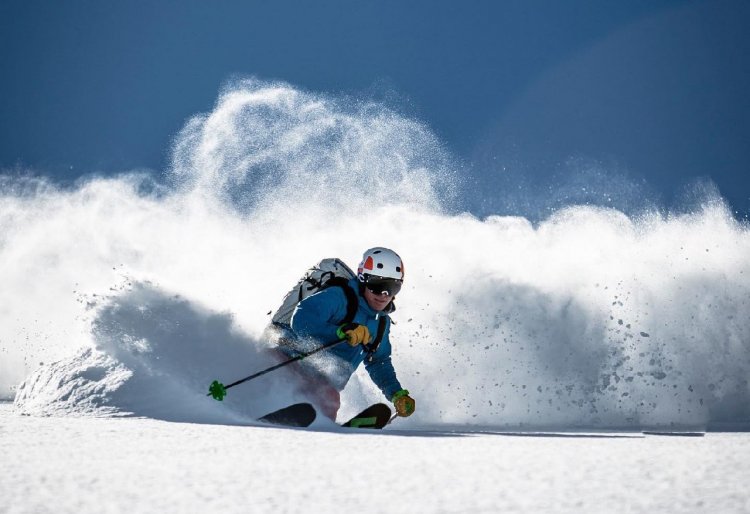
(404, 403)
(354, 334)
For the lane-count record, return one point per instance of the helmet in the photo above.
(380, 262)
(381, 271)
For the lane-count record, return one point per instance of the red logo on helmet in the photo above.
(368, 263)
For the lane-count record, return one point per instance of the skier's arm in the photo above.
(381, 369)
(317, 315)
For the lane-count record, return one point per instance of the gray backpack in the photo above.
(327, 273)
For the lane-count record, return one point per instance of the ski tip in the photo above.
(376, 416)
(297, 415)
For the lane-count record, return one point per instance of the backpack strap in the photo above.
(314, 284)
(373, 346)
(352, 302)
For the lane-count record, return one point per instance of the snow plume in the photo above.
(152, 356)
(124, 296)
(591, 319)
(269, 146)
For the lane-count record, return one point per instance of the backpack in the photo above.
(331, 272)
(327, 273)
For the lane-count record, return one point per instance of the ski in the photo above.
(673, 433)
(375, 416)
(297, 415)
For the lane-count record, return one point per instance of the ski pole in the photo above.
(218, 390)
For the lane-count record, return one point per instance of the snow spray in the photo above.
(129, 294)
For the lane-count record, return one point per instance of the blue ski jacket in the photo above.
(319, 316)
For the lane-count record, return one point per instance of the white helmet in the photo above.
(380, 262)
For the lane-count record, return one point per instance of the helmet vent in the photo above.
(380, 265)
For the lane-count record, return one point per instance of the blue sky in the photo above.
(543, 102)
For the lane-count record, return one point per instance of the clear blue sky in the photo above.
(631, 98)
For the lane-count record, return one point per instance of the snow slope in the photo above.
(85, 465)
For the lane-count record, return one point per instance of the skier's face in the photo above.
(377, 302)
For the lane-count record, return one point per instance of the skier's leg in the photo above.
(312, 385)
(328, 399)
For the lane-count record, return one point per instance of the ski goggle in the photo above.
(383, 285)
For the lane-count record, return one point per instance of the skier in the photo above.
(317, 320)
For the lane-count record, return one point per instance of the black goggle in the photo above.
(383, 285)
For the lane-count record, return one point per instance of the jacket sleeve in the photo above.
(381, 369)
(318, 315)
